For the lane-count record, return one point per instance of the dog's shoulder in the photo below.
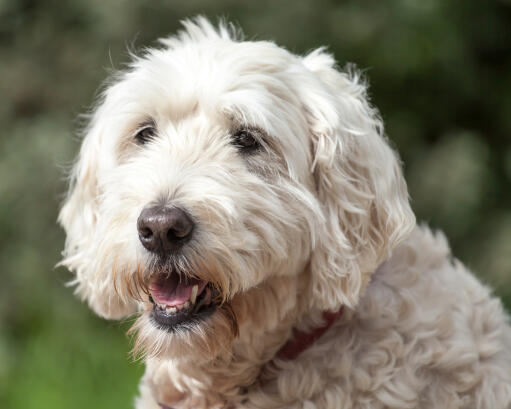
(439, 321)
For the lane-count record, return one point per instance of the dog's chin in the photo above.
(180, 302)
(184, 316)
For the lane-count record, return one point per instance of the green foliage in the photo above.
(441, 75)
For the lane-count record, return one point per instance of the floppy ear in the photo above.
(78, 217)
(359, 184)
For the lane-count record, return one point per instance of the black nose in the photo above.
(164, 229)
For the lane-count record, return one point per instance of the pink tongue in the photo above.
(172, 291)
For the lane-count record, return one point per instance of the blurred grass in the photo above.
(440, 72)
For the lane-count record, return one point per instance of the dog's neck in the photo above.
(266, 317)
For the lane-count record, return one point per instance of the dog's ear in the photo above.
(359, 183)
(79, 217)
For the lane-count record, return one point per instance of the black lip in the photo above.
(184, 319)
(181, 319)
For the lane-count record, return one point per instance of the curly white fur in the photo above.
(317, 219)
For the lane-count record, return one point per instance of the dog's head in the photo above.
(213, 165)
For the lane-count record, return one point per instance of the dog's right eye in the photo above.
(245, 140)
(145, 134)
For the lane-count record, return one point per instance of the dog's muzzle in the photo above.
(178, 299)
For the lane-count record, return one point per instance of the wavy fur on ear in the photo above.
(359, 182)
(79, 216)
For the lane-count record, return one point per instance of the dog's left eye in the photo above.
(145, 134)
(245, 140)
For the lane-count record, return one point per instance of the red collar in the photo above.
(303, 340)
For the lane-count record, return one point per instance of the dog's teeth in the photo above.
(193, 297)
(171, 310)
(186, 305)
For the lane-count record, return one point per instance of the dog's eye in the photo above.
(245, 140)
(145, 134)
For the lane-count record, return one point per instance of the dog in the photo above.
(244, 203)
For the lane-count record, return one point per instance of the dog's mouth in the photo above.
(179, 301)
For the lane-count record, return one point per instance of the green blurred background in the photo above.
(440, 73)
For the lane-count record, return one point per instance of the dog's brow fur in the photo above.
(316, 220)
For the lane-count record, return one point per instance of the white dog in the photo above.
(244, 203)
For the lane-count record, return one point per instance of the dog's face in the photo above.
(212, 166)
